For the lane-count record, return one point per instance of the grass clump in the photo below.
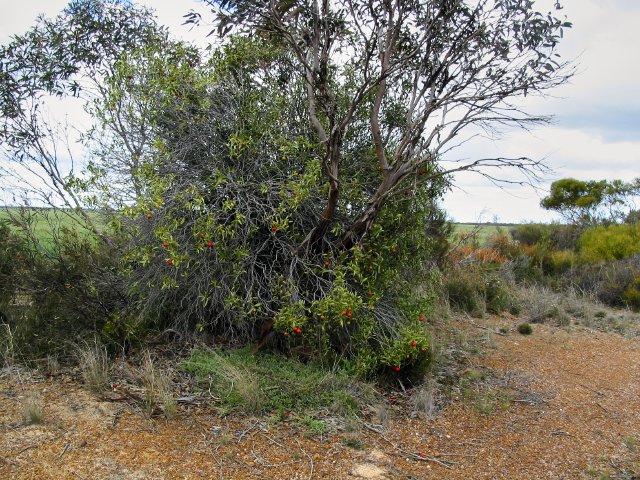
(32, 411)
(94, 366)
(157, 390)
(525, 329)
(268, 382)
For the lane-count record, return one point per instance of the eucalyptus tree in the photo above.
(425, 72)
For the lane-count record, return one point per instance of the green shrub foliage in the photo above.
(218, 238)
(606, 243)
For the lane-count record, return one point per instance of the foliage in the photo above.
(525, 329)
(474, 289)
(612, 242)
(55, 287)
(552, 235)
(399, 78)
(218, 238)
(591, 202)
(282, 186)
(280, 384)
(65, 57)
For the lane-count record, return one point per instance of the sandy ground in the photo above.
(552, 405)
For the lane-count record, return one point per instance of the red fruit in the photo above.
(369, 293)
(165, 244)
(274, 229)
(327, 264)
(344, 312)
(149, 215)
(414, 344)
(421, 318)
(209, 244)
(396, 368)
(349, 314)
(170, 261)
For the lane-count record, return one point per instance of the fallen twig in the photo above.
(415, 456)
(64, 450)
(485, 328)
(600, 394)
(242, 434)
(308, 456)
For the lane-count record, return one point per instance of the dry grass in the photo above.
(423, 399)
(32, 410)
(7, 346)
(94, 366)
(157, 389)
(568, 308)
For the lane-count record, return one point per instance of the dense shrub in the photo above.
(552, 235)
(613, 283)
(474, 289)
(223, 237)
(525, 329)
(611, 242)
(56, 288)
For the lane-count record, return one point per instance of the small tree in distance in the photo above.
(592, 202)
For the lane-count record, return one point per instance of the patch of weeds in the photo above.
(318, 426)
(484, 392)
(380, 414)
(423, 399)
(32, 411)
(525, 329)
(268, 382)
(157, 390)
(354, 443)
(94, 366)
(631, 443)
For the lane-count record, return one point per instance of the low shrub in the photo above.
(475, 290)
(609, 243)
(525, 329)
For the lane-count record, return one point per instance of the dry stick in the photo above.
(273, 441)
(406, 453)
(28, 447)
(486, 328)
(308, 456)
(600, 394)
(64, 450)
(247, 431)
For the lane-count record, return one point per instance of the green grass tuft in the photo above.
(266, 383)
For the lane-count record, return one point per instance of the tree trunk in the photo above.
(363, 223)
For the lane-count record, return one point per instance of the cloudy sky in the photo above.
(596, 133)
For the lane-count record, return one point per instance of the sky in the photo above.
(596, 130)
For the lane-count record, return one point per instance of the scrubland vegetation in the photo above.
(288, 244)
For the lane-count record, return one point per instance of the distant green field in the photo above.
(485, 230)
(44, 222)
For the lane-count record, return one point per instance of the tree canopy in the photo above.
(591, 202)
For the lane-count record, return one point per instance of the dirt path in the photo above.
(547, 406)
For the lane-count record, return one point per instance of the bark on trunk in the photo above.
(362, 225)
